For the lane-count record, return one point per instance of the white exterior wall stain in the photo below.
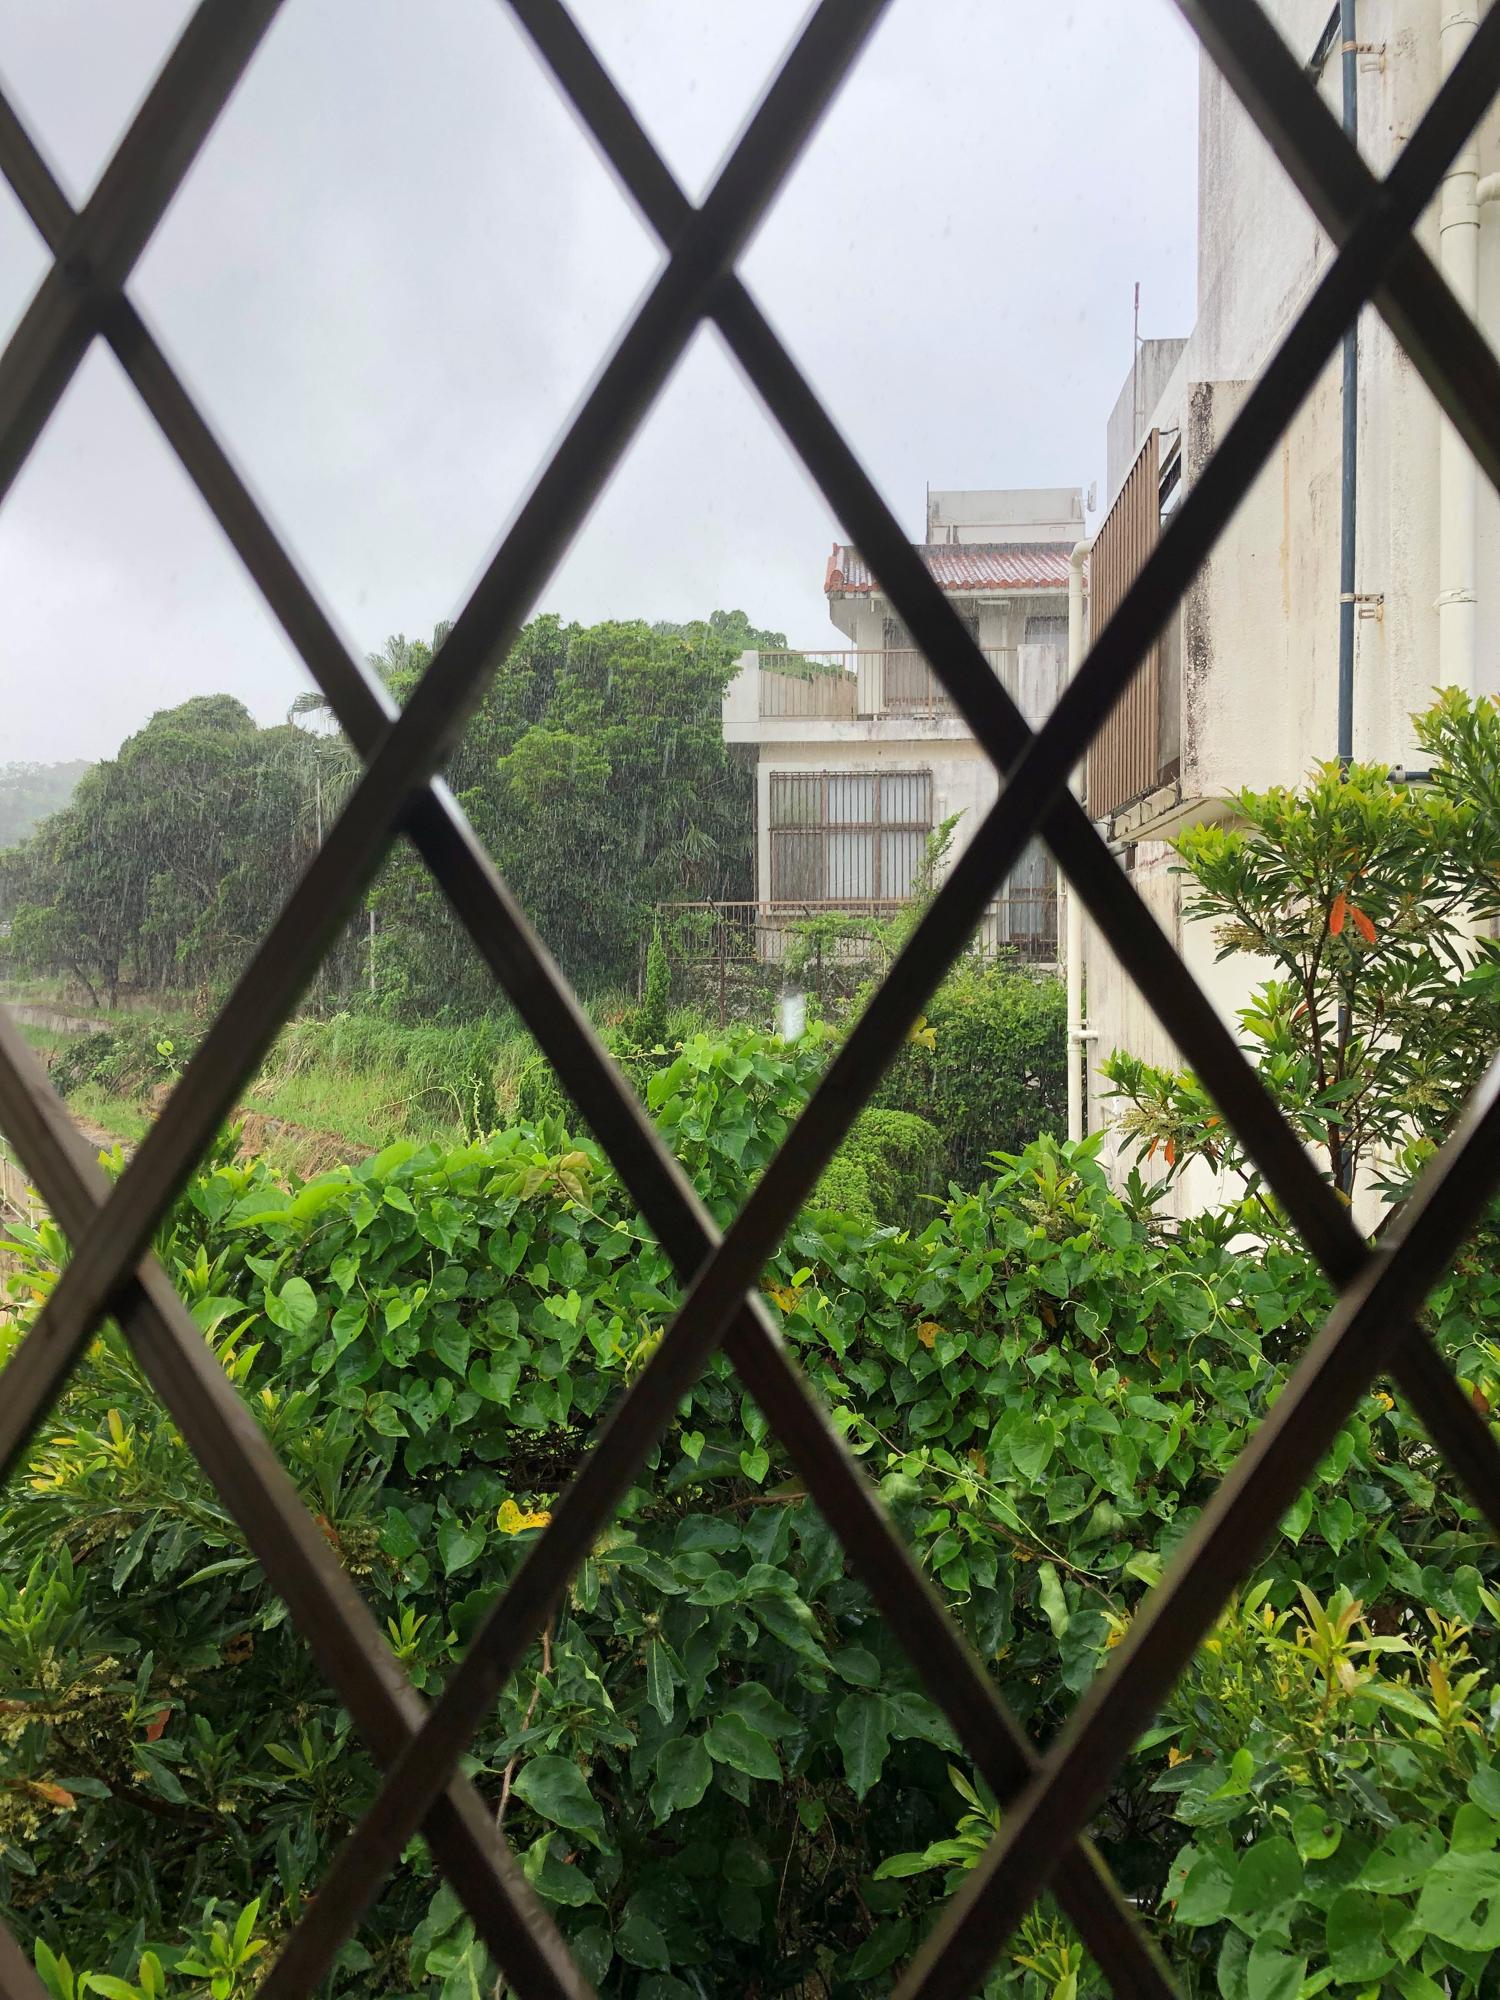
(1260, 625)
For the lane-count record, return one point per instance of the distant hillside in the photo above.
(29, 792)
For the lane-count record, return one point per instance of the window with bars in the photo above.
(847, 836)
(1050, 1796)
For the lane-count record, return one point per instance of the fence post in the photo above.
(723, 968)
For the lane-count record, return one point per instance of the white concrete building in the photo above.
(1243, 690)
(860, 753)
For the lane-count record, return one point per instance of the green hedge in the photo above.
(995, 1077)
(723, 1761)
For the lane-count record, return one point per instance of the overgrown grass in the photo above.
(353, 1077)
(121, 1114)
(124, 1118)
(370, 1081)
(46, 1041)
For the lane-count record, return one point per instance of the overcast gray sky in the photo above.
(398, 263)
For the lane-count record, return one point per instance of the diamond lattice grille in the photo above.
(1049, 1800)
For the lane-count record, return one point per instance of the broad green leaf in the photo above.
(1353, 1931)
(862, 1731)
(294, 1307)
(732, 1741)
(1241, 1771)
(1484, 1789)
(451, 1346)
(881, 1949)
(684, 1772)
(459, 1545)
(761, 1710)
(1460, 1901)
(1272, 1973)
(1206, 1892)
(1336, 1521)
(560, 1881)
(556, 1789)
(348, 1322)
(854, 1664)
(1401, 1862)
(1267, 1880)
(639, 1941)
(1315, 1832)
(896, 1867)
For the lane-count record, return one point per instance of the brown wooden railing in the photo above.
(1123, 761)
(881, 681)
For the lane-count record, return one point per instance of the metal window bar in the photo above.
(1371, 1326)
(851, 836)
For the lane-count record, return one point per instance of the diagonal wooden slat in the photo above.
(518, 960)
(19, 1979)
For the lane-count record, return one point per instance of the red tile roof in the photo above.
(1019, 566)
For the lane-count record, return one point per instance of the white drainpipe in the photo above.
(1458, 476)
(1073, 932)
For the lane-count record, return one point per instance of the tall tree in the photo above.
(174, 857)
(595, 772)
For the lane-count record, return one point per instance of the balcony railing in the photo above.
(844, 686)
(724, 942)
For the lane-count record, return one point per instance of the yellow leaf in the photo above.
(116, 1427)
(785, 1296)
(511, 1521)
(928, 1332)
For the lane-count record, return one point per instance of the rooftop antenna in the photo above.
(1135, 372)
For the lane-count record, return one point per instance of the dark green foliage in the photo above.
(173, 858)
(131, 1059)
(602, 746)
(650, 1023)
(724, 1767)
(883, 1169)
(994, 1075)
